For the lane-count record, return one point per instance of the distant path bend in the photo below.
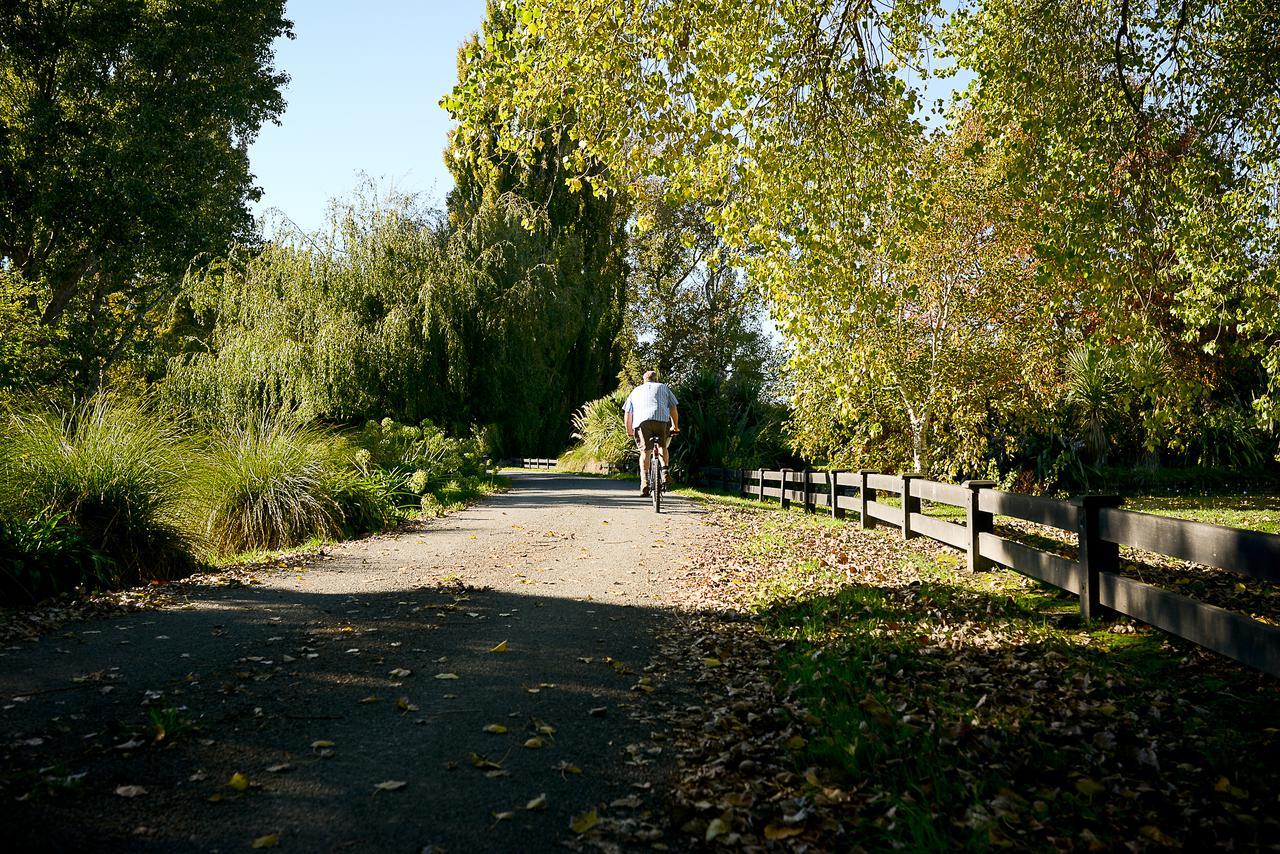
(569, 572)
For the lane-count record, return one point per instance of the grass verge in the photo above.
(975, 711)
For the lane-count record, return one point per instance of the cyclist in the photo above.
(651, 411)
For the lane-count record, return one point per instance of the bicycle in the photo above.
(656, 482)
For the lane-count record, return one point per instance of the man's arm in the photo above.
(630, 429)
(629, 409)
(675, 418)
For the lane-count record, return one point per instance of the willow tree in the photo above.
(530, 325)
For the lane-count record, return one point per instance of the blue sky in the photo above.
(366, 79)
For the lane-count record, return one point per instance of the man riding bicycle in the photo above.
(651, 411)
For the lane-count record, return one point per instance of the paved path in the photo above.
(571, 574)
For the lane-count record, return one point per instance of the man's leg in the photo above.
(644, 459)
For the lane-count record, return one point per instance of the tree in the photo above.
(1144, 136)
(124, 135)
(692, 311)
(534, 315)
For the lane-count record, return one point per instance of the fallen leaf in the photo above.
(584, 822)
(319, 745)
(774, 830)
(401, 672)
(538, 803)
(495, 729)
(502, 647)
(372, 698)
(446, 676)
(1088, 787)
(271, 840)
(484, 762)
(238, 781)
(711, 662)
(503, 816)
(568, 768)
(404, 705)
(716, 827)
(389, 785)
(276, 769)
(534, 743)
(130, 791)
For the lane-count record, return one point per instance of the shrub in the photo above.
(425, 450)
(368, 499)
(271, 484)
(46, 556)
(602, 434)
(110, 471)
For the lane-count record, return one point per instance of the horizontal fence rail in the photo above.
(529, 463)
(1098, 524)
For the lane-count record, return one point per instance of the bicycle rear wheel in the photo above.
(655, 480)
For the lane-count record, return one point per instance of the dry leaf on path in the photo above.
(389, 786)
(130, 791)
(446, 676)
(502, 647)
(538, 803)
(584, 822)
(495, 729)
(271, 840)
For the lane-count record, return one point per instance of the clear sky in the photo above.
(366, 82)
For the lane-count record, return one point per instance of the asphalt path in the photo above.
(287, 702)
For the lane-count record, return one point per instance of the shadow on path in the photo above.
(250, 678)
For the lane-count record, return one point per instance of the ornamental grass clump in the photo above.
(110, 473)
(269, 484)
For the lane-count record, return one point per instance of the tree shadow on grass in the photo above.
(982, 720)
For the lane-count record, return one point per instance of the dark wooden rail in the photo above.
(529, 463)
(1098, 524)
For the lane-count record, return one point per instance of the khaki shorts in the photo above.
(653, 427)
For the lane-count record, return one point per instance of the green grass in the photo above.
(1254, 512)
(267, 485)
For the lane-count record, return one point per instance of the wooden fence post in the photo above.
(742, 482)
(909, 505)
(761, 483)
(724, 478)
(865, 494)
(977, 523)
(1096, 554)
(786, 500)
(808, 492)
(833, 491)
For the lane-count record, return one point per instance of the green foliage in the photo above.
(601, 434)
(45, 556)
(113, 471)
(1106, 183)
(124, 135)
(270, 484)
(368, 500)
(728, 422)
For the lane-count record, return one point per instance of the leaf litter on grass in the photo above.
(882, 697)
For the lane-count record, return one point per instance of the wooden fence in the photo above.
(528, 463)
(1097, 522)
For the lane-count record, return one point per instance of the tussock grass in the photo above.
(269, 484)
(112, 470)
